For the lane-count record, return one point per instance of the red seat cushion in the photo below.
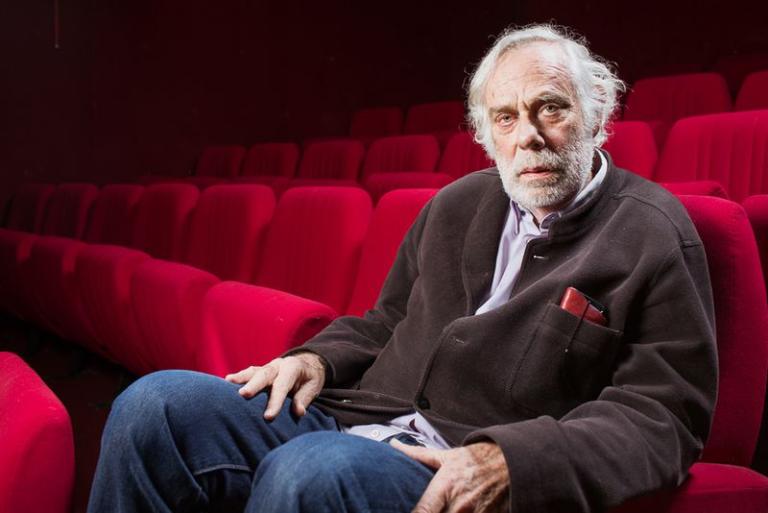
(462, 155)
(68, 209)
(731, 149)
(112, 214)
(392, 218)
(220, 161)
(271, 159)
(632, 147)
(313, 243)
(336, 158)
(38, 470)
(161, 219)
(754, 92)
(227, 228)
(248, 325)
(402, 153)
(167, 299)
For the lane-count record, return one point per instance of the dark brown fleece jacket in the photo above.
(587, 416)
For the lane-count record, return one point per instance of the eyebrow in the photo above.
(545, 97)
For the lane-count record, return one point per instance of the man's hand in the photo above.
(302, 374)
(468, 479)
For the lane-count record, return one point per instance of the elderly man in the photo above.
(544, 342)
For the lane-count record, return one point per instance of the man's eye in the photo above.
(551, 108)
(505, 119)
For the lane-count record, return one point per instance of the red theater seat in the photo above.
(369, 124)
(271, 159)
(403, 153)
(112, 214)
(38, 455)
(666, 99)
(221, 161)
(462, 155)
(15, 296)
(698, 188)
(379, 184)
(227, 229)
(247, 325)
(736, 67)
(731, 149)
(632, 146)
(103, 276)
(28, 205)
(392, 218)
(435, 118)
(722, 482)
(161, 219)
(757, 210)
(167, 299)
(68, 209)
(337, 159)
(313, 243)
(754, 92)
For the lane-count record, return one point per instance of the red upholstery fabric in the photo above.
(736, 67)
(697, 188)
(433, 117)
(754, 92)
(402, 153)
(49, 276)
(220, 161)
(112, 214)
(731, 149)
(337, 158)
(462, 155)
(368, 124)
(248, 325)
(271, 159)
(28, 206)
(227, 229)
(742, 326)
(68, 209)
(632, 146)
(15, 296)
(38, 470)
(167, 300)
(314, 241)
(393, 216)
(378, 184)
(103, 277)
(673, 97)
(278, 184)
(161, 219)
(757, 211)
(710, 488)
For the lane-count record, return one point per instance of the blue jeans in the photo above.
(179, 441)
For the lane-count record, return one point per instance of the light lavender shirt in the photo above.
(519, 229)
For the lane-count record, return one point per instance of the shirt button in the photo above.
(375, 433)
(423, 403)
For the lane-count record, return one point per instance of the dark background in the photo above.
(140, 86)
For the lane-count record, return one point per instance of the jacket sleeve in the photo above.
(350, 344)
(643, 431)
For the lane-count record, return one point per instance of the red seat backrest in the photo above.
(313, 243)
(402, 153)
(673, 97)
(161, 219)
(741, 319)
(376, 122)
(28, 205)
(424, 118)
(38, 469)
(335, 158)
(271, 159)
(112, 214)
(68, 209)
(754, 92)
(730, 148)
(220, 161)
(736, 67)
(462, 155)
(394, 215)
(227, 229)
(632, 147)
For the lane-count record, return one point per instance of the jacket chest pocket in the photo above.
(568, 361)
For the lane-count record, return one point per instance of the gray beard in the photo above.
(573, 166)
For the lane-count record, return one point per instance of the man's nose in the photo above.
(528, 135)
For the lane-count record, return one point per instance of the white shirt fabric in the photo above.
(519, 229)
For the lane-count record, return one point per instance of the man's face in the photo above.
(543, 148)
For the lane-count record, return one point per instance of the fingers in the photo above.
(435, 498)
(260, 379)
(242, 376)
(304, 396)
(429, 457)
(282, 384)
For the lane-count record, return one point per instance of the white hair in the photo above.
(597, 86)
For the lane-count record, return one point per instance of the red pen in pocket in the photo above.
(583, 306)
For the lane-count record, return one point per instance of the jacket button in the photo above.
(423, 403)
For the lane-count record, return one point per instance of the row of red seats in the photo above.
(158, 314)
